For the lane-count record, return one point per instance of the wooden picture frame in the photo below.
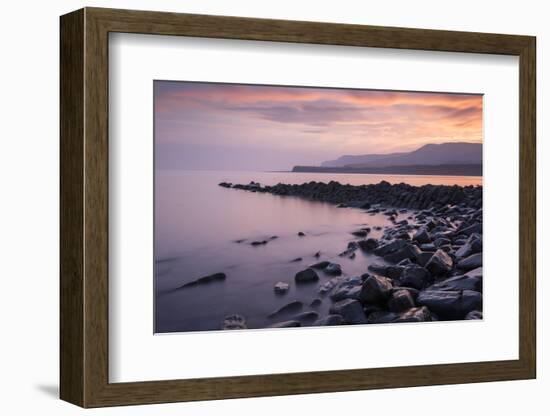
(84, 207)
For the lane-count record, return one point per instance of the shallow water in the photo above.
(197, 224)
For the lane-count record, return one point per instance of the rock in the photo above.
(422, 236)
(415, 276)
(400, 301)
(450, 304)
(393, 272)
(329, 320)
(369, 244)
(474, 228)
(342, 205)
(428, 247)
(471, 262)
(360, 233)
(441, 241)
(216, 277)
(423, 257)
(421, 314)
(366, 205)
(306, 317)
(306, 276)
(329, 285)
(234, 322)
(390, 247)
(375, 289)
(258, 243)
(440, 263)
(463, 282)
(316, 303)
(381, 317)
(274, 237)
(474, 315)
(301, 234)
(321, 265)
(286, 324)
(225, 184)
(291, 307)
(317, 255)
(349, 288)
(408, 251)
(333, 269)
(281, 287)
(351, 310)
(296, 260)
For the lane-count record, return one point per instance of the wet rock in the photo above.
(474, 228)
(216, 277)
(393, 272)
(390, 247)
(471, 262)
(440, 263)
(441, 241)
(321, 265)
(408, 251)
(286, 324)
(329, 285)
(450, 304)
(317, 255)
(421, 314)
(258, 243)
(306, 276)
(351, 310)
(296, 260)
(348, 288)
(291, 307)
(281, 287)
(225, 184)
(342, 205)
(333, 269)
(307, 317)
(471, 246)
(415, 276)
(428, 247)
(315, 303)
(474, 315)
(234, 322)
(360, 233)
(400, 301)
(468, 281)
(422, 236)
(329, 320)
(301, 234)
(381, 317)
(375, 289)
(423, 257)
(368, 245)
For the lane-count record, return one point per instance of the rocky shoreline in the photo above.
(429, 268)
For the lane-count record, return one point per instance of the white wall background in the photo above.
(29, 206)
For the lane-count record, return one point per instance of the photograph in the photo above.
(291, 206)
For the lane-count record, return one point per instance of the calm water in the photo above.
(196, 226)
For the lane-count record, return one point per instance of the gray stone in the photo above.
(375, 289)
(390, 247)
(415, 276)
(400, 301)
(333, 269)
(471, 262)
(450, 304)
(381, 317)
(306, 276)
(408, 251)
(349, 288)
(422, 236)
(440, 263)
(329, 320)
(281, 287)
(234, 322)
(351, 310)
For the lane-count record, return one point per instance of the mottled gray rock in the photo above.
(450, 304)
(349, 288)
(351, 310)
(333, 269)
(428, 247)
(291, 307)
(415, 276)
(306, 276)
(393, 272)
(474, 228)
(234, 322)
(400, 301)
(440, 263)
(375, 289)
(360, 233)
(471, 262)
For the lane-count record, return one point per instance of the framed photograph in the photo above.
(255, 207)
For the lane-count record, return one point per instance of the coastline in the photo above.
(430, 264)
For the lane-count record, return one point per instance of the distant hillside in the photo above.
(446, 169)
(459, 153)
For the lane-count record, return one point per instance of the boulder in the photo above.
(408, 251)
(306, 276)
(329, 320)
(463, 282)
(390, 247)
(234, 322)
(474, 228)
(350, 288)
(281, 287)
(360, 233)
(421, 314)
(415, 276)
(375, 289)
(321, 265)
(424, 256)
(333, 269)
(351, 310)
(381, 317)
(471, 262)
(306, 317)
(291, 307)
(316, 303)
(422, 236)
(400, 301)
(440, 263)
(393, 272)
(369, 244)
(450, 304)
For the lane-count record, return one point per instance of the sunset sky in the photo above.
(249, 127)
